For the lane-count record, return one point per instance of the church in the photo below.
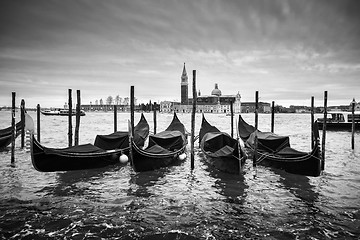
(213, 103)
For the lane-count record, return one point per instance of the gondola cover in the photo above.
(84, 148)
(120, 139)
(219, 144)
(115, 140)
(170, 140)
(268, 141)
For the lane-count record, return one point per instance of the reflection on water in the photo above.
(177, 202)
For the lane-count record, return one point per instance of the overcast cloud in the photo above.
(287, 50)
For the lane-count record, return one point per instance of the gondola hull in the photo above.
(164, 149)
(275, 151)
(5, 141)
(309, 164)
(106, 151)
(51, 160)
(6, 135)
(228, 164)
(221, 150)
(145, 161)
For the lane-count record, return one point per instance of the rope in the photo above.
(277, 149)
(264, 155)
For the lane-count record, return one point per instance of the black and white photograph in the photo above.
(179, 119)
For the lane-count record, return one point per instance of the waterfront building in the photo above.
(249, 107)
(105, 108)
(213, 103)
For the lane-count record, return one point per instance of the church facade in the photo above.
(213, 103)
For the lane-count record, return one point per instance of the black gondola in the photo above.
(105, 151)
(275, 151)
(6, 133)
(164, 148)
(221, 150)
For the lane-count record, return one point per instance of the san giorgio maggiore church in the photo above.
(214, 103)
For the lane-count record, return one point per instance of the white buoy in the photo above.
(123, 158)
(182, 156)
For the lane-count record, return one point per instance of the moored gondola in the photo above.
(275, 151)
(221, 150)
(107, 150)
(6, 133)
(164, 149)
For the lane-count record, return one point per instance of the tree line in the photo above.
(126, 102)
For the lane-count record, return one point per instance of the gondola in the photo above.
(221, 150)
(275, 151)
(6, 133)
(164, 148)
(106, 150)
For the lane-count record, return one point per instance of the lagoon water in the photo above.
(176, 203)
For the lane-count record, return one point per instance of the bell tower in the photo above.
(184, 87)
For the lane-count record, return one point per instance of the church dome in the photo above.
(216, 91)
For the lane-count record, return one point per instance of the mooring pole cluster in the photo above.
(14, 131)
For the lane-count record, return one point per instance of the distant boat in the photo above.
(340, 121)
(221, 150)
(164, 149)
(275, 151)
(106, 151)
(61, 112)
(5, 135)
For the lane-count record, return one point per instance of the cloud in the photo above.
(103, 47)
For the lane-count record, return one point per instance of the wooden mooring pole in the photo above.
(154, 109)
(77, 116)
(38, 121)
(70, 118)
(22, 111)
(232, 118)
(312, 123)
(272, 116)
(353, 124)
(193, 120)
(132, 109)
(256, 128)
(115, 118)
(324, 131)
(13, 132)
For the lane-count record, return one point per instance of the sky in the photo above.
(287, 50)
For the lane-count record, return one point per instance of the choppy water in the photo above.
(177, 203)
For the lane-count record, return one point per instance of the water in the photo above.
(177, 203)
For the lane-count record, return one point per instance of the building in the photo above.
(105, 108)
(249, 107)
(213, 103)
(184, 87)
